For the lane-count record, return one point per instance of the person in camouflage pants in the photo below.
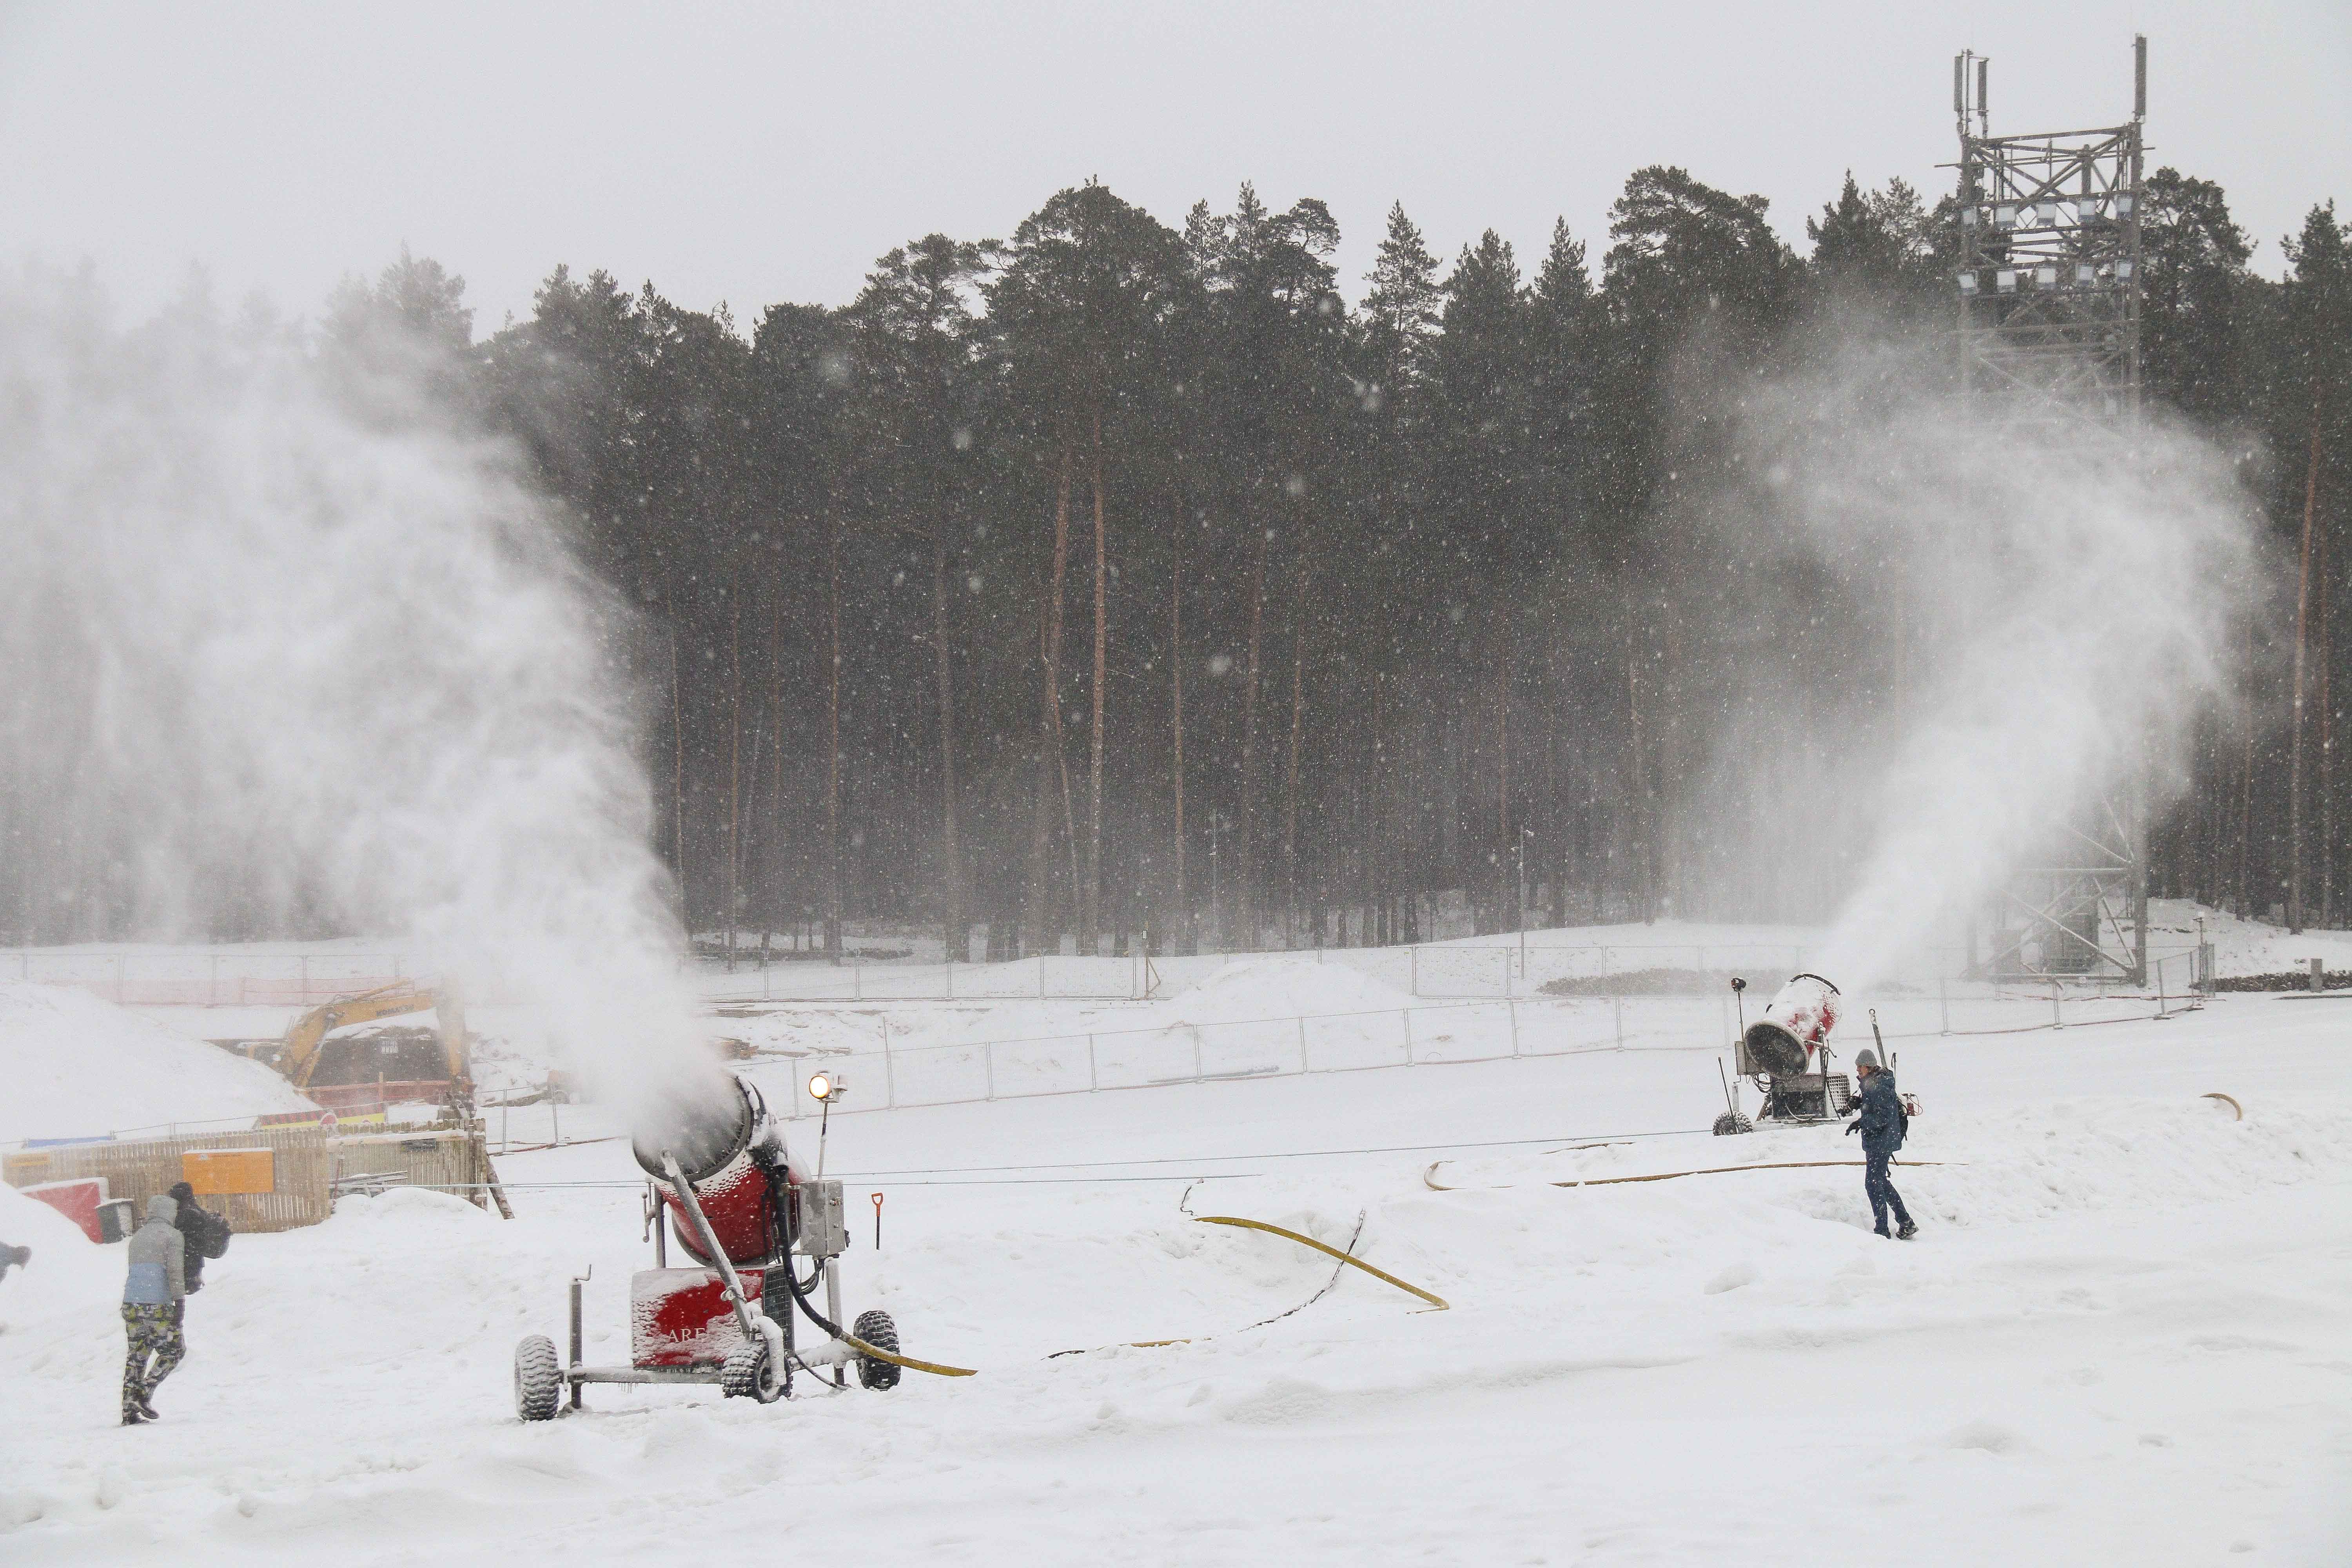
(151, 1299)
(152, 1331)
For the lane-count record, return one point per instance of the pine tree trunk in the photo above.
(833, 917)
(1059, 754)
(2302, 645)
(2326, 765)
(1505, 863)
(734, 758)
(1090, 904)
(751, 840)
(1666, 892)
(677, 778)
(1643, 870)
(1297, 714)
(1244, 862)
(2246, 797)
(1041, 815)
(1380, 863)
(1186, 942)
(776, 874)
(953, 933)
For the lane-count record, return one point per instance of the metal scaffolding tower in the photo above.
(2050, 291)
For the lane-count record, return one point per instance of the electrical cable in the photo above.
(1336, 1269)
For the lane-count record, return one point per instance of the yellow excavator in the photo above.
(298, 1053)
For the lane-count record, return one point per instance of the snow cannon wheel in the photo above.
(538, 1379)
(876, 1329)
(1730, 1123)
(750, 1373)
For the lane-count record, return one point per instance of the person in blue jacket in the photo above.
(1881, 1126)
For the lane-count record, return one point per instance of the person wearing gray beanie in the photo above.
(1881, 1126)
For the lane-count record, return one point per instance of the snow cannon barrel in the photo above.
(1799, 1018)
(717, 1128)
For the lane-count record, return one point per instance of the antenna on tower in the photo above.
(1963, 105)
(2139, 76)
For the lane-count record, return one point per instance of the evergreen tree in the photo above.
(2194, 260)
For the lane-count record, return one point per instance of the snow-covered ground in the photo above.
(2122, 1335)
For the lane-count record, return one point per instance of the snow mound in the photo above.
(75, 1065)
(415, 1207)
(1280, 987)
(67, 1272)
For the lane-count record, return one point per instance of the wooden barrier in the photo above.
(448, 1161)
(301, 1173)
(304, 1168)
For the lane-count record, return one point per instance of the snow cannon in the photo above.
(1793, 1026)
(1786, 1052)
(759, 1236)
(718, 1129)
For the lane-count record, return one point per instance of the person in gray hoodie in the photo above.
(151, 1309)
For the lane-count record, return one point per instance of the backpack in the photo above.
(205, 1233)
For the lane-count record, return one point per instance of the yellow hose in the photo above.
(934, 1368)
(1440, 1303)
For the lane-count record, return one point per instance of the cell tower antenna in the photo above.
(1968, 87)
(2139, 76)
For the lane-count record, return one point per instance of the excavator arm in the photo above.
(298, 1053)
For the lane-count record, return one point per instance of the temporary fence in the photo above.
(1497, 967)
(308, 1168)
(1081, 1061)
(301, 1172)
(1099, 1060)
(197, 979)
(1500, 969)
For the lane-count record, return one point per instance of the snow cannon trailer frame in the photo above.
(1786, 1055)
(747, 1222)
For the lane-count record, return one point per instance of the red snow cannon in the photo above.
(1787, 1053)
(718, 1130)
(750, 1224)
(1782, 1042)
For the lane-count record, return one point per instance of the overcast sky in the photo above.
(759, 153)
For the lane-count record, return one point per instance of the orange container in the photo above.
(216, 1172)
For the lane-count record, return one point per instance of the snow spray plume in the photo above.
(273, 666)
(2018, 625)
